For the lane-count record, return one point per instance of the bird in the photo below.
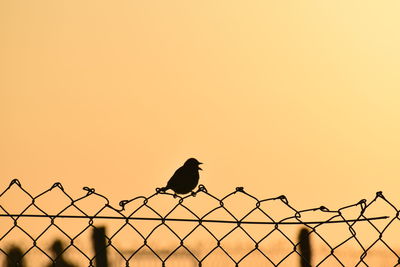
(185, 178)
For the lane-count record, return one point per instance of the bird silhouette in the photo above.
(185, 179)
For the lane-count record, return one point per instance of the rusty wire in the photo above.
(129, 217)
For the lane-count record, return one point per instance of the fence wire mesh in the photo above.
(199, 229)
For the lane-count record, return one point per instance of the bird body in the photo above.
(185, 179)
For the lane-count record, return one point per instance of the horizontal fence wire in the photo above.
(199, 229)
(184, 220)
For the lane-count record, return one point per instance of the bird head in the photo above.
(194, 163)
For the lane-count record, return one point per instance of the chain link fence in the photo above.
(199, 229)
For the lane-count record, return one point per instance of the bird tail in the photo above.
(163, 189)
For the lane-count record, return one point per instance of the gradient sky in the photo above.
(282, 97)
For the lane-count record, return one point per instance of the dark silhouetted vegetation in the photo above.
(305, 248)
(99, 243)
(14, 257)
(58, 248)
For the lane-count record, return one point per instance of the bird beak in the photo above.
(199, 167)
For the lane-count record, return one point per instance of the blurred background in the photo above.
(292, 97)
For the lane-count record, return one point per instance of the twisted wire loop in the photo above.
(197, 229)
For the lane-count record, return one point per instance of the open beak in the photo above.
(199, 167)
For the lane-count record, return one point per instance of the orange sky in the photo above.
(282, 97)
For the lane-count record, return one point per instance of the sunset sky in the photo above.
(300, 98)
